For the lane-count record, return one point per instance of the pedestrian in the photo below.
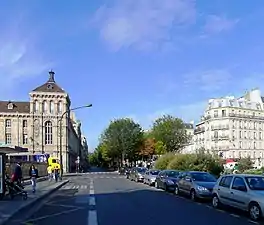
(50, 174)
(56, 173)
(33, 174)
(17, 174)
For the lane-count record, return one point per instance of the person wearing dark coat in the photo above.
(17, 175)
(33, 174)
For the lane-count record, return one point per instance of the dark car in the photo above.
(137, 174)
(196, 184)
(167, 179)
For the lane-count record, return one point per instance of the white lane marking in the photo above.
(92, 214)
(235, 215)
(251, 221)
(92, 201)
(92, 218)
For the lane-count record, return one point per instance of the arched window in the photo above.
(44, 106)
(48, 133)
(59, 107)
(51, 107)
(36, 106)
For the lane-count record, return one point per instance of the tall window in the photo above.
(48, 133)
(24, 123)
(25, 139)
(59, 107)
(36, 106)
(44, 106)
(8, 123)
(51, 107)
(8, 139)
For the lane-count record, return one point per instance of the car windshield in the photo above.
(255, 183)
(203, 177)
(154, 172)
(173, 173)
(141, 170)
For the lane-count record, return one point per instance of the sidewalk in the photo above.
(9, 208)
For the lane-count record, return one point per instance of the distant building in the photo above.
(189, 146)
(35, 124)
(233, 127)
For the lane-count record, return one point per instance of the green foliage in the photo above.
(244, 164)
(199, 161)
(171, 131)
(255, 172)
(121, 139)
(93, 159)
(163, 162)
(160, 148)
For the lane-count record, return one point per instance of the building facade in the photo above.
(38, 123)
(233, 127)
(189, 146)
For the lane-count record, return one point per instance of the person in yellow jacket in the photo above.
(50, 172)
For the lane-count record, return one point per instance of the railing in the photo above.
(226, 127)
(199, 130)
(233, 115)
(224, 137)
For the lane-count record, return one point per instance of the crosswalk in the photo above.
(75, 187)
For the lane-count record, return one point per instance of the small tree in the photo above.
(244, 164)
(171, 131)
(148, 147)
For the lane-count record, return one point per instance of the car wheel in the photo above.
(254, 211)
(193, 195)
(156, 185)
(215, 201)
(176, 191)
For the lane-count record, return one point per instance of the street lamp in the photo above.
(60, 121)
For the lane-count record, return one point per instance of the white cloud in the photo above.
(215, 24)
(145, 24)
(207, 80)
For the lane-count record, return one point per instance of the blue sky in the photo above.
(132, 58)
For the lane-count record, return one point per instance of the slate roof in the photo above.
(50, 85)
(21, 107)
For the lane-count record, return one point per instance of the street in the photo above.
(107, 199)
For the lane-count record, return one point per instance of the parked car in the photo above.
(137, 174)
(242, 191)
(166, 180)
(196, 184)
(150, 176)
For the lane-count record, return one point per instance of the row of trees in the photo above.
(126, 139)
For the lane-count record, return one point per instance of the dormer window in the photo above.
(10, 105)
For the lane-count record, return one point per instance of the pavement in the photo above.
(105, 198)
(10, 208)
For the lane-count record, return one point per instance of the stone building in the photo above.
(35, 124)
(233, 127)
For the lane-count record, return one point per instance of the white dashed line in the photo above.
(235, 215)
(251, 221)
(92, 213)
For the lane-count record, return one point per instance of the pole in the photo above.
(67, 111)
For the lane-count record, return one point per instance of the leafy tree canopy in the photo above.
(171, 131)
(123, 137)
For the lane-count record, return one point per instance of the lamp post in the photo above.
(60, 121)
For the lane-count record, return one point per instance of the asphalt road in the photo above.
(109, 199)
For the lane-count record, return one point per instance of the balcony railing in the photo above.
(225, 127)
(199, 130)
(232, 115)
(220, 138)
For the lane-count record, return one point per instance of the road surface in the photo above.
(109, 199)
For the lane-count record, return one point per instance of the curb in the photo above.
(32, 203)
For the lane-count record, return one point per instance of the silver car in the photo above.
(196, 184)
(242, 191)
(150, 177)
